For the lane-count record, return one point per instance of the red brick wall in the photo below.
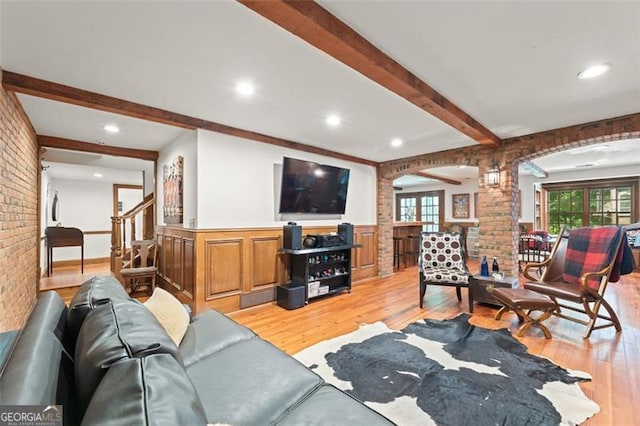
(498, 205)
(19, 240)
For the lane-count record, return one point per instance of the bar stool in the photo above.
(398, 252)
(413, 248)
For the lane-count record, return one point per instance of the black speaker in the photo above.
(345, 230)
(290, 296)
(292, 237)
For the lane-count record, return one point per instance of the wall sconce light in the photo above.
(493, 176)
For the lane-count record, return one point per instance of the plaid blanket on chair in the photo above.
(592, 249)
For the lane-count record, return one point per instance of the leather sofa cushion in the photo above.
(115, 331)
(154, 390)
(31, 373)
(329, 406)
(93, 292)
(209, 333)
(250, 383)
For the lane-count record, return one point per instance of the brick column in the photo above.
(385, 225)
(498, 216)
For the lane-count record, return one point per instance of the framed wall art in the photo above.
(172, 188)
(460, 206)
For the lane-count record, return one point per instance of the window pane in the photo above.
(624, 219)
(595, 219)
(554, 228)
(608, 218)
(576, 201)
(565, 201)
(595, 200)
(624, 193)
(624, 206)
(576, 220)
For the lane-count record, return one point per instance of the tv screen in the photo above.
(309, 187)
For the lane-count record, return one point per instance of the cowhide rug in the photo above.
(450, 373)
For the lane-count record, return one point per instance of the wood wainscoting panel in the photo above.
(230, 269)
(177, 264)
(366, 257)
(188, 258)
(266, 264)
(167, 256)
(223, 267)
(160, 260)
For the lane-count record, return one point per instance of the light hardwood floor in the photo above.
(613, 359)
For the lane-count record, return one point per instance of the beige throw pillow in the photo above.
(169, 312)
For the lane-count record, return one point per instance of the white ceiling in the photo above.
(511, 65)
(73, 165)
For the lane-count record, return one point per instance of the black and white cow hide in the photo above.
(451, 373)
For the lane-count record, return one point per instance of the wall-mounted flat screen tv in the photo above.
(309, 187)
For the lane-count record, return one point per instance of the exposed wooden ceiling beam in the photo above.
(315, 25)
(534, 169)
(58, 92)
(73, 145)
(437, 177)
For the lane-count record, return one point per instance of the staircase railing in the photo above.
(127, 222)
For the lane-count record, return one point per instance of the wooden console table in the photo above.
(58, 236)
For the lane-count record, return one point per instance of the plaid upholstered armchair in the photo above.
(442, 261)
(582, 263)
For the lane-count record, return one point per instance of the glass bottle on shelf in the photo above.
(495, 268)
(484, 267)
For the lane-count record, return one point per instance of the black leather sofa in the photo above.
(107, 360)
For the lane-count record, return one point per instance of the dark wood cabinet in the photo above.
(480, 289)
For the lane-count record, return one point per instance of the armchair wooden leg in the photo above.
(459, 293)
(423, 290)
(612, 315)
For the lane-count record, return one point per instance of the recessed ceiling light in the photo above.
(333, 120)
(594, 71)
(396, 142)
(97, 175)
(111, 128)
(245, 88)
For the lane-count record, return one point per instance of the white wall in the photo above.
(149, 178)
(88, 206)
(238, 184)
(45, 214)
(186, 147)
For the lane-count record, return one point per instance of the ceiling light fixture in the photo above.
(245, 88)
(97, 175)
(111, 128)
(594, 71)
(397, 142)
(333, 120)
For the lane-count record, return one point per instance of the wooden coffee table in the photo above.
(480, 289)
